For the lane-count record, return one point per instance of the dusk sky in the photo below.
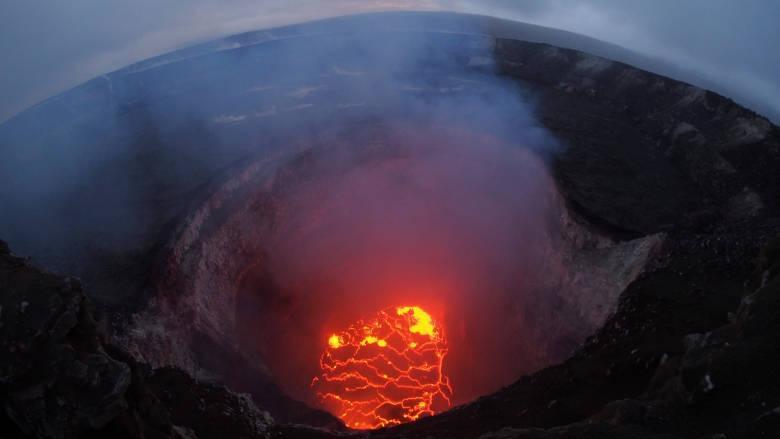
(49, 46)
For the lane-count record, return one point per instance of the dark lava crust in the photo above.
(692, 351)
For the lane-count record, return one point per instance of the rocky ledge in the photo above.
(61, 377)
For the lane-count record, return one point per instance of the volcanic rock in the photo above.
(61, 377)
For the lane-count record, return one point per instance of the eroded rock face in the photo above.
(58, 377)
(61, 378)
(692, 351)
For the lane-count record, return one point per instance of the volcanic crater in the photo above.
(255, 197)
(272, 261)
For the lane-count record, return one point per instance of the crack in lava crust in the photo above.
(385, 371)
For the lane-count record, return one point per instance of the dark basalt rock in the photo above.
(61, 378)
(643, 150)
(58, 379)
(208, 410)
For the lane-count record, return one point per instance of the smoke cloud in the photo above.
(446, 204)
(455, 222)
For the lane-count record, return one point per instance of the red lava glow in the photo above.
(456, 223)
(385, 371)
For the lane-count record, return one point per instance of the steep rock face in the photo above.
(723, 383)
(58, 378)
(198, 303)
(691, 352)
(61, 378)
(644, 152)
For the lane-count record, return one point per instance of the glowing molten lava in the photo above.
(385, 371)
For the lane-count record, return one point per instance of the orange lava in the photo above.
(385, 371)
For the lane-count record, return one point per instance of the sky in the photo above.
(49, 46)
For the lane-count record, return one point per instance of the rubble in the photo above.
(61, 378)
